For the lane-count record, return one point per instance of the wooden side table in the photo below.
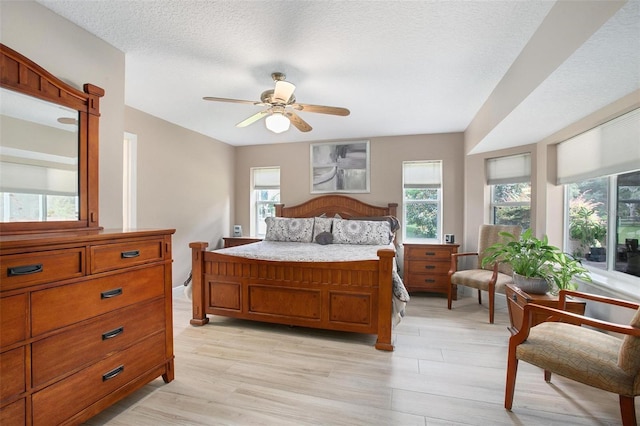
(426, 267)
(239, 241)
(516, 299)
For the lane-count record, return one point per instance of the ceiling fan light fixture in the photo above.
(277, 122)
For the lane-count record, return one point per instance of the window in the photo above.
(422, 200)
(509, 179)
(266, 193)
(599, 169)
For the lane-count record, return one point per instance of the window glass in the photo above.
(266, 194)
(511, 204)
(628, 223)
(422, 200)
(26, 207)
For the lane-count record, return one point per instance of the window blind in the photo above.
(422, 174)
(266, 178)
(36, 179)
(611, 148)
(509, 169)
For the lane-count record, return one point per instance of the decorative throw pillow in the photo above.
(289, 229)
(627, 361)
(324, 238)
(361, 232)
(320, 225)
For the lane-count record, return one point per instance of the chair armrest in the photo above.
(454, 260)
(555, 315)
(596, 298)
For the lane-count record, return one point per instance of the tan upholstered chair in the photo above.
(492, 278)
(583, 354)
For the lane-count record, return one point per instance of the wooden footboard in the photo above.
(341, 296)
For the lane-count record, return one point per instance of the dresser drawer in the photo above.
(116, 256)
(65, 398)
(90, 341)
(14, 414)
(427, 282)
(12, 373)
(13, 319)
(22, 270)
(428, 267)
(61, 306)
(428, 253)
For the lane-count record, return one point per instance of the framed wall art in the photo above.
(340, 167)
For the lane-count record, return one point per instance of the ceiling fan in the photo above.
(281, 107)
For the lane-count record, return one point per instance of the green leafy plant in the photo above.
(585, 225)
(532, 257)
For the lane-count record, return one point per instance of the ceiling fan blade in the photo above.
(322, 109)
(237, 101)
(283, 91)
(300, 124)
(255, 117)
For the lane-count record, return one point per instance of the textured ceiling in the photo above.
(401, 67)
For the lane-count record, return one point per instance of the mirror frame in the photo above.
(20, 74)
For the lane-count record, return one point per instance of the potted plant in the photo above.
(536, 264)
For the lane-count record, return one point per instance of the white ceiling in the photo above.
(401, 67)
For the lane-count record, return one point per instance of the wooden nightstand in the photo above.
(516, 299)
(239, 241)
(426, 267)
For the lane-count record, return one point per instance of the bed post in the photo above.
(385, 294)
(197, 284)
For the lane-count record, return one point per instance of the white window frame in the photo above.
(262, 178)
(429, 178)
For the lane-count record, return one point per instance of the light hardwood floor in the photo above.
(448, 369)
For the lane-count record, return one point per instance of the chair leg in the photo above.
(479, 297)
(547, 376)
(449, 295)
(628, 411)
(512, 370)
(492, 299)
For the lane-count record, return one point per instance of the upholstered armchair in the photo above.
(585, 354)
(492, 278)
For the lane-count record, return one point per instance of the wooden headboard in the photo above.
(345, 206)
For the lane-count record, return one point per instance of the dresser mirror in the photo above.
(48, 150)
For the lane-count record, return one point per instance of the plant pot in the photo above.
(533, 285)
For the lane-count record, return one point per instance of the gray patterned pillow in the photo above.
(320, 225)
(361, 232)
(289, 229)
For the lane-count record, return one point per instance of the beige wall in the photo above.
(184, 181)
(77, 57)
(387, 155)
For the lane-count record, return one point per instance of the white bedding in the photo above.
(312, 252)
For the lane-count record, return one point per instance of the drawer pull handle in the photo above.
(112, 333)
(130, 254)
(111, 293)
(113, 373)
(430, 253)
(429, 267)
(25, 270)
(514, 297)
(429, 280)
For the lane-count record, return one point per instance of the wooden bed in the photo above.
(343, 296)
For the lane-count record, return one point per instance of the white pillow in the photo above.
(361, 232)
(289, 229)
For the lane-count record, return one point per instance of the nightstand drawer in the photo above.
(22, 270)
(427, 253)
(116, 256)
(428, 267)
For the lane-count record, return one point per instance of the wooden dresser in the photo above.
(85, 320)
(426, 267)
